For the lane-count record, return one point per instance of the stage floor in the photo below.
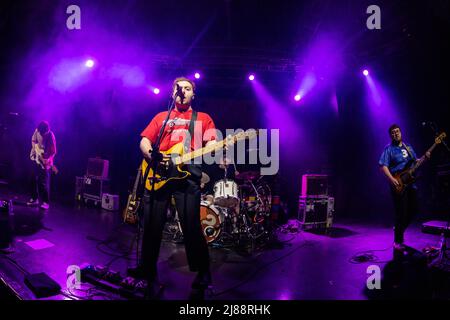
(298, 266)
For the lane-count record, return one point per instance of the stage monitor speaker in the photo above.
(98, 168)
(42, 285)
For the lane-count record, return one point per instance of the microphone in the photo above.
(179, 93)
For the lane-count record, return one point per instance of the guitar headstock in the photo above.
(440, 137)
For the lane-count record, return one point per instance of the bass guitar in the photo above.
(406, 177)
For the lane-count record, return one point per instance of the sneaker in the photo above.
(45, 206)
(33, 202)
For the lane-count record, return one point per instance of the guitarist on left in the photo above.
(186, 192)
(396, 157)
(43, 150)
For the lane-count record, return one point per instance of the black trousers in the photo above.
(40, 184)
(406, 208)
(187, 202)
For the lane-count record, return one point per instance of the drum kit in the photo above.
(237, 212)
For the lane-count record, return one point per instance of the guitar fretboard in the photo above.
(213, 147)
(422, 159)
(199, 152)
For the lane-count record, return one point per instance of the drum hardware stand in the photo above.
(173, 226)
(441, 258)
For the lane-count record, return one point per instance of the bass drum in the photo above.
(211, 219)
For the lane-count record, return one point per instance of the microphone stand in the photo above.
(433, 127)
(156, 157)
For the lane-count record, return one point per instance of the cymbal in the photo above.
(205, 178)
(248, 175)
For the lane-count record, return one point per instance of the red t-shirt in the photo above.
(177, 128)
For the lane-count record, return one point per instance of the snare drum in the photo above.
(211, 221)
(226, 193)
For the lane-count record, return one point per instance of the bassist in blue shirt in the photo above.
(396, 157)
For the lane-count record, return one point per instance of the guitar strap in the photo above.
(408, 149)
(195, 170)
(187, 142)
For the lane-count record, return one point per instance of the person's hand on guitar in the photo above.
(155, 156)
(428, 154)
(394, 182)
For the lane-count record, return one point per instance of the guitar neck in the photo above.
(198, 153)
(422, 159)
(136, 181)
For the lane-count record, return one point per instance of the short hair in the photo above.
(183, 79)
(394, 126)
(43, 127)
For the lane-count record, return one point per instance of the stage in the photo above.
(292, 265)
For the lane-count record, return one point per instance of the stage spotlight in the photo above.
(251, 77)
(297, 97)
(156, 91)
(366, 72)
(197, 75)
(89, 63)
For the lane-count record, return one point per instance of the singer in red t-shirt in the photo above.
(186, 192)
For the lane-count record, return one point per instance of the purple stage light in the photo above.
(366, 72)
(197, 75)
(89, 63)
(297, 97)
(156, 91)
(251, 77)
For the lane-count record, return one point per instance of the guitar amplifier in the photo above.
(110, 202)
(315, 212)
(314, 185)
(98, 168)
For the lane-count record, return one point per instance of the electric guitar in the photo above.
(171, 167)
(38, 157)
(406, 177)
(133, 203)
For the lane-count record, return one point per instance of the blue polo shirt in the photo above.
(396, 158)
